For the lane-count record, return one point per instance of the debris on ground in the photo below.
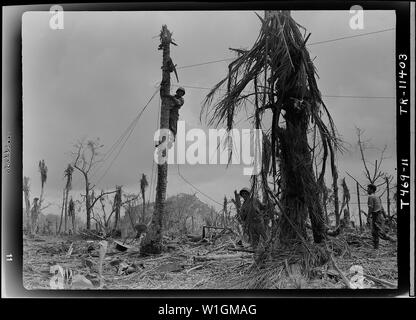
(214, 262)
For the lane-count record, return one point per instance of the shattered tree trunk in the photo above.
(336, 202)
(87, 201)
(144, 206)
(153, 240)
(359, 207)
(388, 196)
(300, 188)
(62, 211)
(117, 204)
(74, 227)
(66, 210)
(298, 181)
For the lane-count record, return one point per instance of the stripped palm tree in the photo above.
(143, 185)
(117, 206)
(71, 213)
(280, 71)
(68, 185)
(26, 191)
(43, 169)
(68, 175)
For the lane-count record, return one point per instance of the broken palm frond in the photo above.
(68, 254)
(269, 274)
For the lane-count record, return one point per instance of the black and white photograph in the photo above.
(211, 149)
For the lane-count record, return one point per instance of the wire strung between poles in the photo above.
(126, 135)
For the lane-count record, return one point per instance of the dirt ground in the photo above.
(184, 265)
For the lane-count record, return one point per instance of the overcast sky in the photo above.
(91, 79)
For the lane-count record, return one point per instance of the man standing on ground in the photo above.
(375, 211)
(252, 217)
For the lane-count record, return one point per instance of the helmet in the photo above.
(245, 189)
(181, 89)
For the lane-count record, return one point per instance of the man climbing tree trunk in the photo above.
(152, 243)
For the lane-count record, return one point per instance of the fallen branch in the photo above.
(343, 277)
(220, 257)
(218, 248)
(381, 281)
(92, 235)
(241, 250)
(194, 268)
(68, 254)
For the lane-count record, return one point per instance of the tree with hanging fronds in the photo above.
(143, 185)
(68, 185)
(283, 77)
(43, 169)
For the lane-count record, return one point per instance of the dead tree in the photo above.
(237, 202)
(68, 174)
(152, 243)
(34, 213)
(143, 185)
(377, 176)
(359, 206)
(71, 213)
(279, 68)
(26, 191)
(102, 222)
(387, 179)
(117, 206)
(43, 169)
(68, 185)
(86, 156)
(225, 213)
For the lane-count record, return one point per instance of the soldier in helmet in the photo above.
(176, 102)
(252, 217)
